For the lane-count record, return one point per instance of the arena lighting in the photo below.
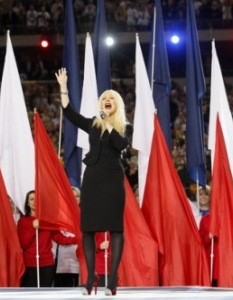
(44, 42)
(109, 41)
(175, 39)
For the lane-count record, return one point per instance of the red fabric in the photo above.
(221, 210)
(204, 233)
(100, 253)
(139, 264)
(55, 201)
(27, 239)
(182, 259)
(11, 259)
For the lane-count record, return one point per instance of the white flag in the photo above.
(16, 143)
(143, 119)
(89, 100)
(219, 105)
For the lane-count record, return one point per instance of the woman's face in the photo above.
(76, 195)
(31, 201)
(108, 103)
(204, 197)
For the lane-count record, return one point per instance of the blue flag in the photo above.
(159, 74)
(72, 154)
(100, 49)
(195, 89)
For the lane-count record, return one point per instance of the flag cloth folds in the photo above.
(221, 209)
(72, 154)
(219, 105)
(89, 96)
(139, 264)
(159, 74)
(143, 118)
(56, 206)
(182, 258)
(100, 49)
(11, 258)
(195, 89)
(16, 142)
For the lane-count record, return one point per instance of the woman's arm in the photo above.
(61, 239)
(119, 141)
(62, 80)
(74, 117)
(26, 232)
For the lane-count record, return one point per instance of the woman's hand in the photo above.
(35, 223)
(104, 245)
(62, 80)
(62, 77)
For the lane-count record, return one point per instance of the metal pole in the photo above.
(106, 259)
(60, 133)
(37, 259)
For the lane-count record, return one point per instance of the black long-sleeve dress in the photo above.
(102, 191)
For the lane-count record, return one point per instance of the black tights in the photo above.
(117, 244)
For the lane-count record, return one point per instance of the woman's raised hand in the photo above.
(62, 76)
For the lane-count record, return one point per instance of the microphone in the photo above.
(102, 114)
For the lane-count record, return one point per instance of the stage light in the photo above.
(44, 42)
(109, 41)
(175, 39)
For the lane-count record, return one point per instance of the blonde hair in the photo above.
(118, 118)
(205, 188)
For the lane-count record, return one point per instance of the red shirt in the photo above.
(100, 254)
(204, 232)
(27, 239)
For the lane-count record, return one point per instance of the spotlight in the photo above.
(44, 42)
(175, 39)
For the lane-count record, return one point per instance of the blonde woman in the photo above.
(102, 192)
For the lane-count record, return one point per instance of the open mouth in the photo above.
(108, 106)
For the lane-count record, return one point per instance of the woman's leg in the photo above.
(46, 276)
(117, 244)
(29, 278)
(89, 253)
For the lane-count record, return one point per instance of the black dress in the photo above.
(102, 191)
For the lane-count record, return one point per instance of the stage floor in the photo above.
(123, 293)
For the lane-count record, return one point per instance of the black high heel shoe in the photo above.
(111, 289)
(89, 287)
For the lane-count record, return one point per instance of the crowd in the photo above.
(24, 16)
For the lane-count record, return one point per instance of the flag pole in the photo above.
(106, 259)
(197, 192)
(60, 133)
(153, 52)
(211, 259)
(37, 259)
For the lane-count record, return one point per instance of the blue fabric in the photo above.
(159, 74)
(101, 51)
(72, 154)
(195, 89)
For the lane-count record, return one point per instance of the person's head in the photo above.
(29, 206)
(76, 192)
(204, 197)
(112, 102)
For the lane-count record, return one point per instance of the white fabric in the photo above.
(16, 143)
(196, 213)
(89, 102)
(67, 260)
(219, 105)
(143, 119)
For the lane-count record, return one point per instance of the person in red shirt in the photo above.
(207, 237)
(27, 226)
(102, 249)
